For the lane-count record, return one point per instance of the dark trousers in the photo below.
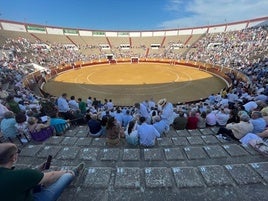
(67, 115)
(226, 132)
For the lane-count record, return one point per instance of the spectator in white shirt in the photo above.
(73, 104)
(63, 107)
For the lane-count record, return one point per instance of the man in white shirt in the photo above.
(166, 111)
(211, 118)
(110, 105)
(63, 107)
(222, 116)
(143, 112)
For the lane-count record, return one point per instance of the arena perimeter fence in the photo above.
(38, 78)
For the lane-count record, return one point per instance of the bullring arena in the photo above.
(126, 84)
(179, 65)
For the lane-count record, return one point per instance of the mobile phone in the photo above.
(48, 162)
(44, 119)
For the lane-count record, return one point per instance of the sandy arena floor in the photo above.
(126, 84)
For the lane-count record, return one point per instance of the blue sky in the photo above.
(131, 14)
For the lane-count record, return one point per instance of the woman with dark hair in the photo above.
(234, 118)
(113, 130)
(201, 123)
(131, 133)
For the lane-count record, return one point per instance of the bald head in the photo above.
(7, 150)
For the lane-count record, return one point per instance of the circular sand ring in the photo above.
(126, 84)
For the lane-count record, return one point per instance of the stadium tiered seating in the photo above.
(181, 162)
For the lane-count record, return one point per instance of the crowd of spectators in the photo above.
(244, 50)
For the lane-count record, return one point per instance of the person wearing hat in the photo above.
(166, 111)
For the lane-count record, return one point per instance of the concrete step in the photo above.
(184, 165)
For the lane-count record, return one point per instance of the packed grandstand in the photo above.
(32, 54)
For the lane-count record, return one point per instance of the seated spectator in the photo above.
(211, 118)
(201, 120)
(237, 130)
(21, 184)
(180, 121)
(160, 125)
(241, 110)
(263, 134)
(94, 125)
(82, 106)
(3, 93)
(73, 104)
(48, 107)
(250, 106)
(40, 131)
(12, 105)
(234, 118)
(118, 115)
(21, 124)
(264, 112)
(147, 133)
(59, 124)
(192, 120)
(222, 116)
(113, 132)
(131, 133)
(3, 110)
(249, 137)
(63, 107)
(35, 126)
(127, 118)
(258, 122)
(166, 111)
(8, 128)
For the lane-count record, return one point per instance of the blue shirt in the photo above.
(59, 124)
(8, 128)
(161, 127)
(259, 125)
(94, 126)
(147, 134)
(126, 120)
(63, 105)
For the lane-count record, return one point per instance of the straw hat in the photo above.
(162, 102)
